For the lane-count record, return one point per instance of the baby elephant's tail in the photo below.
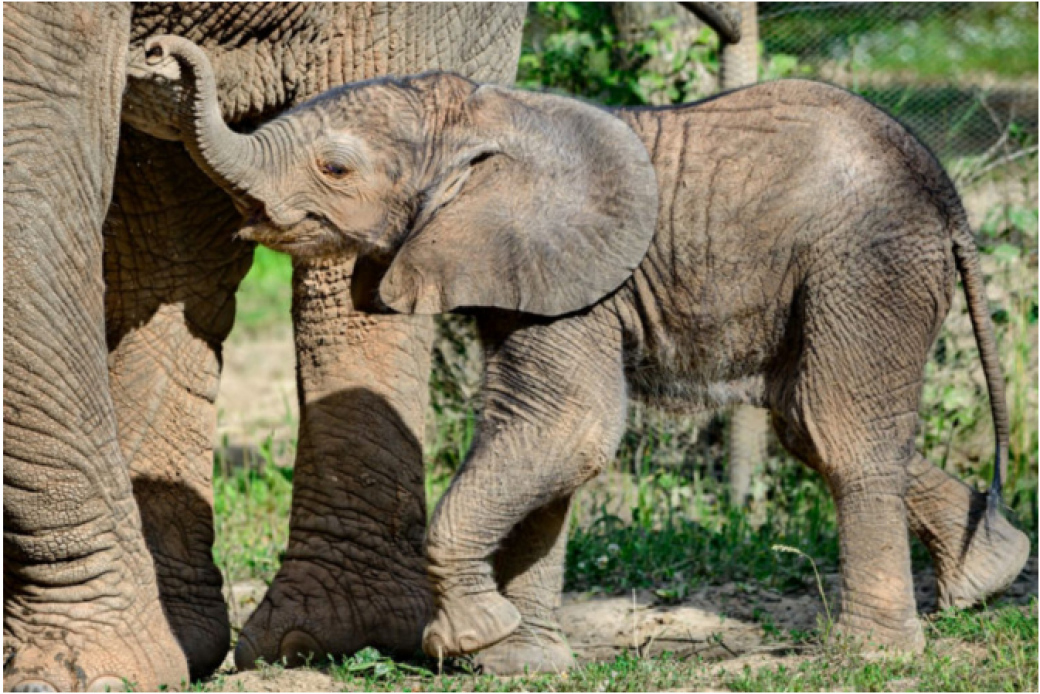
(966, 255)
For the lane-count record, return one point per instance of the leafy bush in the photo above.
(575, 48)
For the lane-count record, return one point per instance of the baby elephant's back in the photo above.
(768, 190)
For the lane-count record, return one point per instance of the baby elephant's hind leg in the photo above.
(867, 483)
(553, 416)
(852, 414)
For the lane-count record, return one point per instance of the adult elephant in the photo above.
(120, 275)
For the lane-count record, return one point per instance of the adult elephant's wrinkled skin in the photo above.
(787, 245)
(120, 274)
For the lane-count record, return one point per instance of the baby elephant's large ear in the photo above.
(552, 210)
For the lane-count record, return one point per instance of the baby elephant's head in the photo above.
(452, 194)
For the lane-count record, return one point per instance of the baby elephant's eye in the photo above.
(333, 169)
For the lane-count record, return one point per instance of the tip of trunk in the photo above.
(227, 157)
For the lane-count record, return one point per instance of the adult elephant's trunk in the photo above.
(722, 17)
(231, 159)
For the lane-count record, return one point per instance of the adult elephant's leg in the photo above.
(354, 573)
(81, 606)
(529, 572)
(172, 267)
(976, 554)
(359, 508)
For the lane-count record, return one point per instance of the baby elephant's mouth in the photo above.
(255, 224)
(311, 237)
(256, 216)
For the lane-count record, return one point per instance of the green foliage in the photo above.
(265, 295)
(252, 497)
(915, 38)
(575, 48)
(680, 547)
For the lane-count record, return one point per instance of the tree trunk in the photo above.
(749, 426)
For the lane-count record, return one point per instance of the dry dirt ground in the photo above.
(730, 626)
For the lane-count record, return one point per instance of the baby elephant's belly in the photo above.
(713, 350)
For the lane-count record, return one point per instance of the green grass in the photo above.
(264, 298)
(251, 507)
(967, 651)
(677, 549)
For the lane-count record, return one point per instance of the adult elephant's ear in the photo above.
(543, 204)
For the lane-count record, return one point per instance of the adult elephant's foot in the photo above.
(178, 529)
(313, 612)
(117, 652)
(977, 553)
(469, 622)
(530, 649)
(199, 620)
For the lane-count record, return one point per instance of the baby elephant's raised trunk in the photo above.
(232, 160)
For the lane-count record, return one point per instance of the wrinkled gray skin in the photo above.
(748, 430)
(787, 245)
(120, 272)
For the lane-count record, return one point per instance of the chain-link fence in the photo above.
(962, 76)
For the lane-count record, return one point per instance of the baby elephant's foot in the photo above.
(994, 558)
(530, 649)
(469, 623)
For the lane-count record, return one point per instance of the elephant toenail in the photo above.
(468, 642)
(107, 684)
(299, 647)
(33, 686)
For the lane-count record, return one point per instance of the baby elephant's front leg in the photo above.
(554, 405)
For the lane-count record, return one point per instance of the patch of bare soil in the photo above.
(276, 679)
(731, 625)
(721, 622)
(257, 395)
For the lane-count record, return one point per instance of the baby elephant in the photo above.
(787, 245)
